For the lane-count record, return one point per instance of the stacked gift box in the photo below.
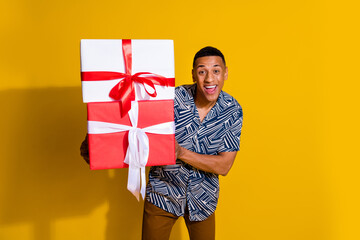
(128, 86)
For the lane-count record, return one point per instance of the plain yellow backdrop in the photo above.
(293, 66)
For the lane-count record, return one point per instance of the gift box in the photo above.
(108, 144)
(127, 70)
(145, 136)
(129, 88)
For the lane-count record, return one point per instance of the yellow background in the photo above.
(293, 66)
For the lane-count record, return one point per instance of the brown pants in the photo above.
(157, 225)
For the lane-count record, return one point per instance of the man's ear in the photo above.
(193, 76)
(226, 73)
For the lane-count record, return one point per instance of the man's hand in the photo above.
(219, 164)
(84, 150)
(178, 150)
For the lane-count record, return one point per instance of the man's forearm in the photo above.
(219, 164)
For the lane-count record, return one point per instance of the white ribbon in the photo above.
(137, 153)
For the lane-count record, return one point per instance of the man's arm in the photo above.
(219, 164)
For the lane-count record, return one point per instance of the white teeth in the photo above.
(207, 87)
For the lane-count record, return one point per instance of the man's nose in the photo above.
(209, 77)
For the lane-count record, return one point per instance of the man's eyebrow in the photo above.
(201, 65)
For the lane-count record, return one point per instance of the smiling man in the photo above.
(208, 127)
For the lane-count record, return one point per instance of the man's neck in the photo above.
(203, 107)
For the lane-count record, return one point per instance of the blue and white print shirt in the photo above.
(175, 187)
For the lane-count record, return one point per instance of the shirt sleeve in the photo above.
(232, 126)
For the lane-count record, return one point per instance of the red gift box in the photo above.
(108, 150)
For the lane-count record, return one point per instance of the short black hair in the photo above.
(208, 51)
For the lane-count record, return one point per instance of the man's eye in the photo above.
(216, 71)
(201, 72)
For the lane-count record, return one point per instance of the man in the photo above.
(208, 127)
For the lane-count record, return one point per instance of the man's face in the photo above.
(209, 74)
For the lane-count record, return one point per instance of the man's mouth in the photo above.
(210, 89)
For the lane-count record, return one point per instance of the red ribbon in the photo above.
(125, 90)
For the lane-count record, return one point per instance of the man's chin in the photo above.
(205, 97)
(210, 98)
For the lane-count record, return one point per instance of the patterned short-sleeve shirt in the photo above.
(176, 187)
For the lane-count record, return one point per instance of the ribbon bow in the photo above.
(138, 149)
